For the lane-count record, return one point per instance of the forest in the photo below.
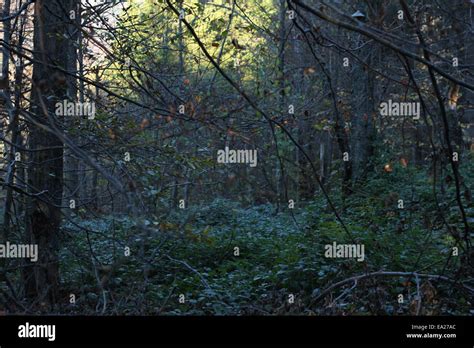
(237, 157)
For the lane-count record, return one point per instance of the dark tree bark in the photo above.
(363, 104)
(45, 172)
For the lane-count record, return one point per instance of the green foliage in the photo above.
(276, 257)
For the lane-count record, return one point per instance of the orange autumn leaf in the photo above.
(145, 123)
(388, 168)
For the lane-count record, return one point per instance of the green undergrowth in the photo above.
(194, 254)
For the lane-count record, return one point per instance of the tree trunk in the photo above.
(45, 172)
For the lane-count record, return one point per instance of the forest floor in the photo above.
(224, 258)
